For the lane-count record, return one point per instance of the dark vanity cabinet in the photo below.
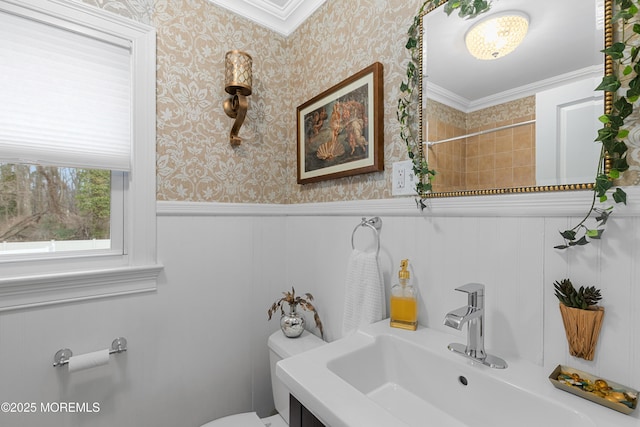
(299, 416)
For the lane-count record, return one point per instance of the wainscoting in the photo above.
(505, 242)
(197, 346)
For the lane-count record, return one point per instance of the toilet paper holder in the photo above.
(62, 356)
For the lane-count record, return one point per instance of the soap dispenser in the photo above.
(404, 301)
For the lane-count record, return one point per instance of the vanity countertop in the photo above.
(381, 377)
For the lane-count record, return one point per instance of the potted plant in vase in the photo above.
(581, 316)
(292, 323)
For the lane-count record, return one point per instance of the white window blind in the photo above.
(65, 97)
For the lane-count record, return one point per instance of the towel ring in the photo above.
(375, 224)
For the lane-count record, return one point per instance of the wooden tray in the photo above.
(578, 391)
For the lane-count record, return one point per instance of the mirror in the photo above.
(525, 121)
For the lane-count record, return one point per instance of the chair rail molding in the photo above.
(551, 204)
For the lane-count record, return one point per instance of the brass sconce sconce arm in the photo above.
(238, 79)
(236, 108)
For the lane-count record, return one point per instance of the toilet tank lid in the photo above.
(287, 347)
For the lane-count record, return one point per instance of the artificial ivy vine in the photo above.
(409, 102)
(612, 135)
(624, 55)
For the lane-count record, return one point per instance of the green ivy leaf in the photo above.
(614, 174)
(606, 133)
(602, 185)
(603, 216)
(634, 53)
(620, 164)
(634, 87)
(609, 84)
(615, 121)
(615, 51)
(568, 234)
(624, 4)
(595, 234)
(617, 147)
(620, 196)
(623, 107)
(581, 242)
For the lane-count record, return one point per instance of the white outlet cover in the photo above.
(403, 179)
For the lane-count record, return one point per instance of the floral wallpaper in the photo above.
(632, 175)
(340, 39)
(195, 161)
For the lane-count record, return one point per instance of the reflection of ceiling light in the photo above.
(497, 35)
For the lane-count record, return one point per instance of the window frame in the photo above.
(77, 276)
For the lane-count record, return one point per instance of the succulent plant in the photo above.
(294, 301)
(582, 298)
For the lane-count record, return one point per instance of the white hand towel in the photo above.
(364, 300)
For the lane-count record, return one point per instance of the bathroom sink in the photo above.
(380, 376)
(451, 394)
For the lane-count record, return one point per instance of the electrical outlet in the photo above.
(400, 178)
(403, 180)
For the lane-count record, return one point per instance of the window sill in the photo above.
(49, 289)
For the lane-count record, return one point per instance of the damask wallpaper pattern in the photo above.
(194, 159)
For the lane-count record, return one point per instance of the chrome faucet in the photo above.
(473, 315)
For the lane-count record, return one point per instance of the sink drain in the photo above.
(463, 380)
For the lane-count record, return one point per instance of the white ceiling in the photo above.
(281, 16)
(562, 41)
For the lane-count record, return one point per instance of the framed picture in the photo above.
(341, 131)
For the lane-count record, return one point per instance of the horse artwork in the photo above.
(336, 134)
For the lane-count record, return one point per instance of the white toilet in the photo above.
(280, 347)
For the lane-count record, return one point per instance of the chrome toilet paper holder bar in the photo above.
(62, 356)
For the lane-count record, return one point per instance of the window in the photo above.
(45, 210)
(77, 127)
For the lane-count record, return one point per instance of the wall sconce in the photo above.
(237, 83)
(497, 35)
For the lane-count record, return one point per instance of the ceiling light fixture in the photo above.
(497, 35)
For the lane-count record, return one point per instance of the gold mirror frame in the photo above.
(608, 104)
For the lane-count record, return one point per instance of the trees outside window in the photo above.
(43, 203)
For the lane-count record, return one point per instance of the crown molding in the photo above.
(282, 18)
(447, 97)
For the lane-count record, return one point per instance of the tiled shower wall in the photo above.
(496, 159)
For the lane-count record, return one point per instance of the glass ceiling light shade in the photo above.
(497, 35)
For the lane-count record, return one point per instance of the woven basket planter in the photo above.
(582, 328)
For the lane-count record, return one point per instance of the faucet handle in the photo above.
(472, 288)
(475, 298)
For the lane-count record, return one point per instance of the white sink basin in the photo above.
(380, 376)
(451, 394)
